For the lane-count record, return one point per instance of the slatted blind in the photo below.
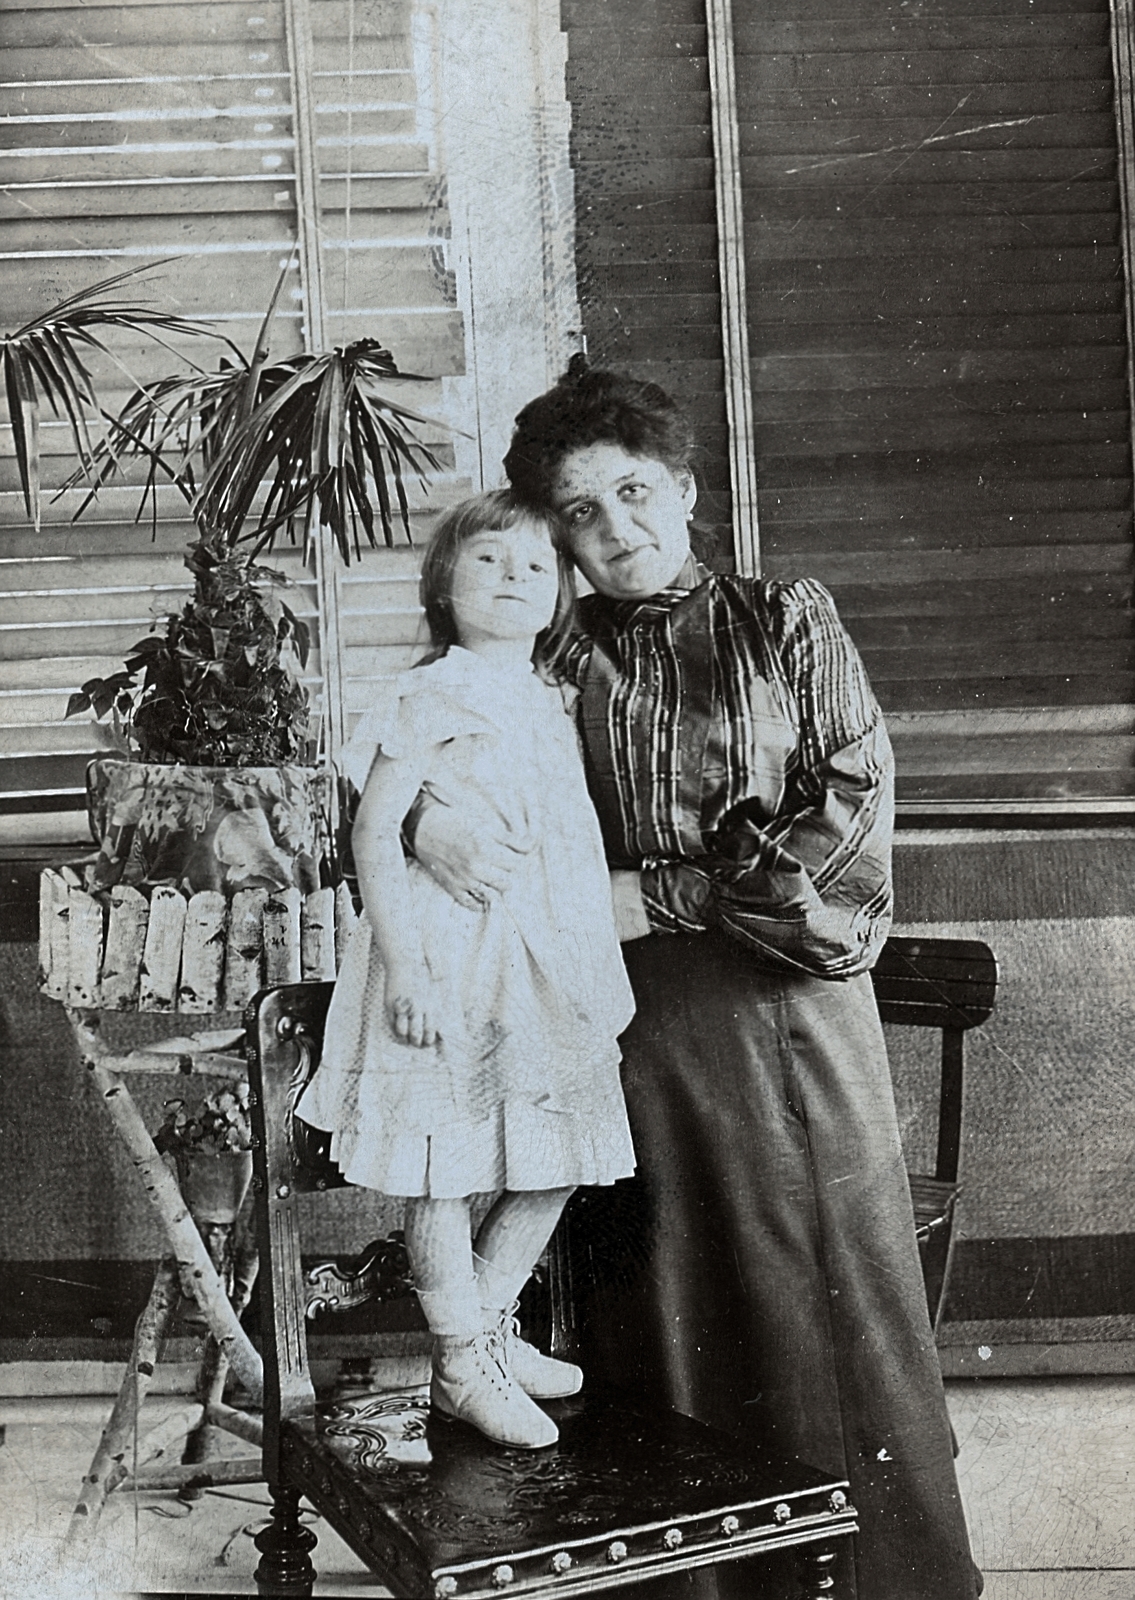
(385, 228)
(936, 322)
(145, 131)
(936, 325)
(646, 236)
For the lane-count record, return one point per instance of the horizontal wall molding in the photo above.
(1106, 719)
(1073, 1359)
(1086, 1278)
(1019, 875)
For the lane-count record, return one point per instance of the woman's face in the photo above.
(626, 517)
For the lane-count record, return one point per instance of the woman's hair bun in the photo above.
(591, 405)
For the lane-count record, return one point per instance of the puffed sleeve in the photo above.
(413, 712)
(571, 666)
(809, 889)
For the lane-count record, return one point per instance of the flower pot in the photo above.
(210, 883)
(210, 828)
(214, 1184)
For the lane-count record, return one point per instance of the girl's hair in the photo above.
(497, 509)
(590, 406)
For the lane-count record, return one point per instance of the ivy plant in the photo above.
(220, 686)
(313, 445)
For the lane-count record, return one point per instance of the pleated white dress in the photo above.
(523, 1090)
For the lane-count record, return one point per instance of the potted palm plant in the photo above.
(220, 797)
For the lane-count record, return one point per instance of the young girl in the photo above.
(472, 1050)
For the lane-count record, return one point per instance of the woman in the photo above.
(743, 780)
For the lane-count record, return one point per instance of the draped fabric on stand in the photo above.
(939, 358)
(159, 132)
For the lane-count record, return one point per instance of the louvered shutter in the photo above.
(939, 363)
(384, 224)
(935, 296)
(146, 131)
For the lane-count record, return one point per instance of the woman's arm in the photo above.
(411, 1005)
(468, 851)
(810, 890)
(471, 851)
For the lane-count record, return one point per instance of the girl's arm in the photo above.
(411, 1005)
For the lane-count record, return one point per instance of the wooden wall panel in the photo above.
(646, 236)
(936, 319)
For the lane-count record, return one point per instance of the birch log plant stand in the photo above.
(193, 952)
(190, 1270)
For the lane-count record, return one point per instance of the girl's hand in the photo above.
(411, 1005)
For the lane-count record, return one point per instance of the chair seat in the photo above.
(437, 1511)
(933, 1201)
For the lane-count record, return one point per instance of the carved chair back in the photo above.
(284, 1039)
(292, 1159)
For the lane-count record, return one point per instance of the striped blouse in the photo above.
(737, 758)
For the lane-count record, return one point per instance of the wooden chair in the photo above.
(949, 984)
(434, 1509)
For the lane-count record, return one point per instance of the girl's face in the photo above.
(505, 584)
(627, 519)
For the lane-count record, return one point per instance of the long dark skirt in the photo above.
(774, 1287)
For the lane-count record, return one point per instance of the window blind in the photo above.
(132, 132)
(938, 348)
(939, 359)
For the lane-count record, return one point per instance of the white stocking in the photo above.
(511, 1239)
(441, 1258)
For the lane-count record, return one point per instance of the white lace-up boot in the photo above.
(471, 1384)
(543, 1377)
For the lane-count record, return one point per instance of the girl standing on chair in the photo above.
(471, 1047)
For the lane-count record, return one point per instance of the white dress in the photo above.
(523, 1090)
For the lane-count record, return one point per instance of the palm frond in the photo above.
(262, 348)
(42, 364)
(89, 293)
(23, 413)
(372, 447)
(318, 428)
(255, 447)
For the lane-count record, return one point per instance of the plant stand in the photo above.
(196, 1268)
(113, 939)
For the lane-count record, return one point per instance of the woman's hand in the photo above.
(631, 921)
(411, 1003)
(468, 852)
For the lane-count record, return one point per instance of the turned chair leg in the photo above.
(285, 1566)
(816, 1567)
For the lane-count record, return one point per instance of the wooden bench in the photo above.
(950, 984)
